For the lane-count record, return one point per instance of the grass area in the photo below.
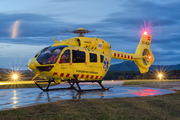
(20, 84)
(163, 107)
(139, 82)
(138, 108)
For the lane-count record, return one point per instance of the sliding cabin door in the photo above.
(79, 64)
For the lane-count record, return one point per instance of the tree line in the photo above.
(111, 75)
(121, 75)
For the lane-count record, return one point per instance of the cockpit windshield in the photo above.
(50, 55)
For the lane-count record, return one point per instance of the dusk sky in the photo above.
(119, 22)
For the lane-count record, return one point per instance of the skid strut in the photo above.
(49, 83)
(71, 83)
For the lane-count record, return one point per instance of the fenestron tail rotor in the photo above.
(145, 53)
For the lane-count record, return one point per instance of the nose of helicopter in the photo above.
(31, 65)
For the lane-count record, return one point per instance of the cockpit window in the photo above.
(42, 51)
(50, 55)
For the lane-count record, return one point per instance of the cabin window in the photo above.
(93, 57)
(102, 58)
(78, 56)
(66, 57)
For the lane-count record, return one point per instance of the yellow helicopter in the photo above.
(84, 59)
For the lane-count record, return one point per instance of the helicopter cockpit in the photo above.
(50, 55)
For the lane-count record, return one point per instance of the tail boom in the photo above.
(123, 55)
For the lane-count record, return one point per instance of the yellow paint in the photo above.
(88, 70)
(15, 30)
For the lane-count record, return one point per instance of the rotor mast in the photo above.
(80, 31)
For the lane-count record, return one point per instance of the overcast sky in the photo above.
(119, 22)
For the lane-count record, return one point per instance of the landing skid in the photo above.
(71, 83)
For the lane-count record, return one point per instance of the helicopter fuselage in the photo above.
(87, 58)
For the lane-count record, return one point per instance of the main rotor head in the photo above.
(80, 31)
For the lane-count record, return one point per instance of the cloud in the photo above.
(33, 28)
(120, 28)
(164, 20)
(159, 14)
(63, 0)
(28, 22)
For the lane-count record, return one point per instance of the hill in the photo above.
(131, 66)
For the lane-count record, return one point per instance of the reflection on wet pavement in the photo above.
(21, 97)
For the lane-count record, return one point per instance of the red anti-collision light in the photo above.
(145, 33)
(149, 57)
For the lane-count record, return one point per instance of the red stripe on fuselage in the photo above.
(82, 76)
(55, 73)
(67, 75)
(77, 75)
(62, 74)
(87, 76)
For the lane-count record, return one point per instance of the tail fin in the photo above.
(143, 56)
(143, 49)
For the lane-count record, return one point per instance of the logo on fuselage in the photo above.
(99, 45)
(106, 62)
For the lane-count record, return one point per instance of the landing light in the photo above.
(145, 33)
(14, 77)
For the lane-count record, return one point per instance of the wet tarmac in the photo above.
(22, 97)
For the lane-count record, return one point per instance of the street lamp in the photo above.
(160, 76)
(14, 77)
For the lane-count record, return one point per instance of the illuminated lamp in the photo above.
(149, 57)
(14, 77)
(160, 76)
(145, 33)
